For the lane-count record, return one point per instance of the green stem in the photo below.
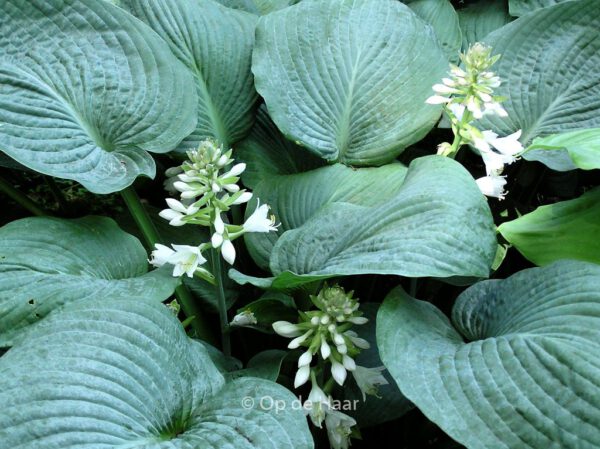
(222, 303)
(57, 193)
(21, 198)
(458, 140)
(184, 297)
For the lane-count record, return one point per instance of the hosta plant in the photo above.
(299, 223)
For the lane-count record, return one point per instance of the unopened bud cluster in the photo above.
(207, 191)
(467, 95)
(326, 334)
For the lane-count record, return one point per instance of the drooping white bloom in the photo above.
(508, 146)
(216, 240)
(348, 362)
(437, 99)
(160, 255)
(296, 342)
(302, 376)
(360, 343)
(286, 329)
(186, 260)
(218, 223)
(236, 170)
(177, 211)
(305, 359)
(244, 318)
(338, 372)
(339, 428)
(259, 220)
(325, 350)
(368, 379)
(492, 185)
(317, 405)
(243, 198)
(228, 251)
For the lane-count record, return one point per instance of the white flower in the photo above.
(368, 379)
(218, 223)
(492, 185)
(437, 99)
(305, 359)
(296, 342)
(177, 211)
(339, 428)
(242, 319)
(216, 240)
(348, 362)
(259, 222)
(286, 329)
(325, 350)
(160, 255)
(243, 198)
(360, 343)
(228, 251)
(302, 376)
(186, 260)
(236, 170)
(317, 405)
(457, 109)
(508, 145)
(338, 372)
(444, 89)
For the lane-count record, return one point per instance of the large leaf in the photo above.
(258, 7)
(444, 20)
(518, 367)
(215, 43)
(48, 262)
(479, 19)
(520, 7)
(435, 224)
(295, 199)
(567, 151)
(549, 68)
(348, 79)
(565, 230)
(86, 90)
(123, 374)
(267, 152)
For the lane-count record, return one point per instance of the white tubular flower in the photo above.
(296, 342)
(325, 350)
(339, 428)
(160, 255)
(492, 185)
(259, 222)
(360, 343)
(348, 362)
(358, 320)
(244, 319)
(317, 405)
(437, 99)
(216, 240)
(286, 329)
(236, 170)
(243, 198)
(305, 359)
(186, 260)
(302, 376)
(177, 211)
(368, 379)
(218, 223)
(228, 251)
(338, 372)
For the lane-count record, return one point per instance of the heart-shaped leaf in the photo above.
(267, 152)
(440, 14)
(517, 368)
(48, 262)
(479, 19)
(520, 7)
(215, 44)
(258, 7)
(295, 199)
(436, 223)
(567, 151)
(348, 79)
(564, 230)
(124, 374)
(86, 90)
(549, 70)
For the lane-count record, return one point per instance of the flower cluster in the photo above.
(326, 335)
(468, 95)
(207, 191)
